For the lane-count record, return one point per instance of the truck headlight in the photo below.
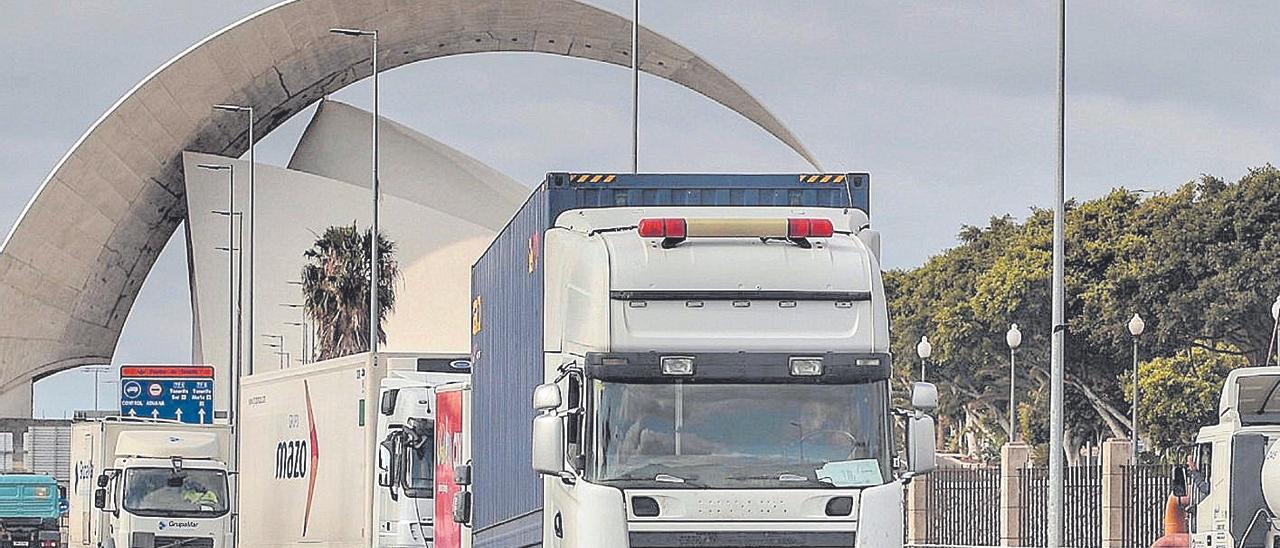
(806, 367)
(677, 365)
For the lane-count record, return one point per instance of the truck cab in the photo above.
(707, 358)
(29, 511)
(405, 502)
(157, 485)
(1236, 492)
(724, 377)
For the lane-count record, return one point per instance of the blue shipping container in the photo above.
(507, 301)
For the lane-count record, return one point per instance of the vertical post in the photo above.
(635, 88)
(253, 250)
(231, 285)
(918, 510)
(373, 241)
(1114, 456)
(1055, 513)
(1013, 460)
(1013, 396)
(1134, 449)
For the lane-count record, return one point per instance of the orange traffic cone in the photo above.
(1175, 525)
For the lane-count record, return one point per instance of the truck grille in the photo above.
(183, 542)
(763, 539)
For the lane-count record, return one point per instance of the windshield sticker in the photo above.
(851, 473)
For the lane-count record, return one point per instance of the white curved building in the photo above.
(425, 183)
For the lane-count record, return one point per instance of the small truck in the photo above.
(149, 484)
(29, 511)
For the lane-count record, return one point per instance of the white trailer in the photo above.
(149, 484)
(340, 453)
(1237, 498)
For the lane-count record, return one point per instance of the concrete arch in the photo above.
(73, 264)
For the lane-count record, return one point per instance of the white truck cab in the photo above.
(707, 359)
(1237, 495)
(155, 485)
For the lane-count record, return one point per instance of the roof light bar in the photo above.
(679, 229)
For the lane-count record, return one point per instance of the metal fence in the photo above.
(963, 507)
(1146, 491)
(1082, 506)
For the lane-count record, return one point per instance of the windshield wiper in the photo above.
(783, 477)
(668, 478)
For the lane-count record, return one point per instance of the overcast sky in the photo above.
(949, 105)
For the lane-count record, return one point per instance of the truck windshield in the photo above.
(741, 435)
(160, 492)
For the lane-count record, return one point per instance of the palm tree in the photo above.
(335, 284)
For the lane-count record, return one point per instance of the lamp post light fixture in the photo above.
(923, 349)
(1136, 327)
(253, 214)
(373, 240)
(1013, 338)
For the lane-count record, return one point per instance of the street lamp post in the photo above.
(303, 324)
(231, 278)
(1136, 327)
(1013, 338)
(635, 88)
(373, 241)
(253, 215)
(923, 349)
(96, 370)
(278, 345)
(1054, 514)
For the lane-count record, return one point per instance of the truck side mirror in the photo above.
(922, 453)
(103, 480)
(462, 475)
(100, 498)
(462, 507)
(387, 463)
(546, 397)
(548, 444)
(924, 396)
(1178, 482)
(387, 406)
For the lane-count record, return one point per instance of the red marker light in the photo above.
(821, 228)
(675, 228)
(809, 228)
(651, 228)
(662, 228)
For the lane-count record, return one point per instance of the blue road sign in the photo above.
(183, 394)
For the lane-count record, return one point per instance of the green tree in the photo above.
(1179, 394)
(335, 281)
(1201, 264)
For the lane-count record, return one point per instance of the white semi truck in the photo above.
(690, 360)
(1237, 497)
(341, 453)
(149, 484)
